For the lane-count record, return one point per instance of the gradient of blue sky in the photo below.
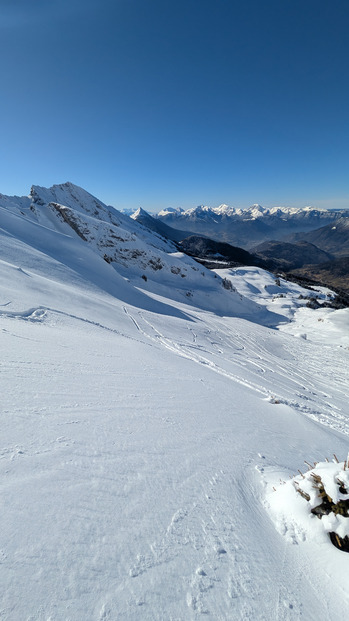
(158, 103)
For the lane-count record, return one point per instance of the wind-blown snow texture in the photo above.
(147, 411)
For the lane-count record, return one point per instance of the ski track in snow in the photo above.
(313, 399)
(211, 348)
(256, 356)
(41, 313)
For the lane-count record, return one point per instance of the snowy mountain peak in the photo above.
(224, 210)
(66, 194)
(312, 208)
(70, 224)
(139, 213)
(200, 211)
(256, 211)
(171, 211)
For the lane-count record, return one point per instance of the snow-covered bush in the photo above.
(321, 493)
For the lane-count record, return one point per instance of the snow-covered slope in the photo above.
(66, 222)
(325, 326)
(142, 434)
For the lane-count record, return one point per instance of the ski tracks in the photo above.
(289, 374)
(192, 351)
(41, 314)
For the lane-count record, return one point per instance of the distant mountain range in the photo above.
(249, 227)
(304, 253)
(207, 251)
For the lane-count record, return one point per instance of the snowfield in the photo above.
(146, 421)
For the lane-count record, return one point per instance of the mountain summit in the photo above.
(113, 250)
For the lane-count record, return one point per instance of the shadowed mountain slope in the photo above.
(157, 226)
(289, 256)
(333, 238)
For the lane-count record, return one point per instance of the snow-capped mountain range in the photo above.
(248, 227)
(252, 212)
(155, 420)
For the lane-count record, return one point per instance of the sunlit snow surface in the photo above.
(141, 433)
(325, 325)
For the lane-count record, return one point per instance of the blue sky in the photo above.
(156, 103)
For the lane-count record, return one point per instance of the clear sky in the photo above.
(159, 103)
